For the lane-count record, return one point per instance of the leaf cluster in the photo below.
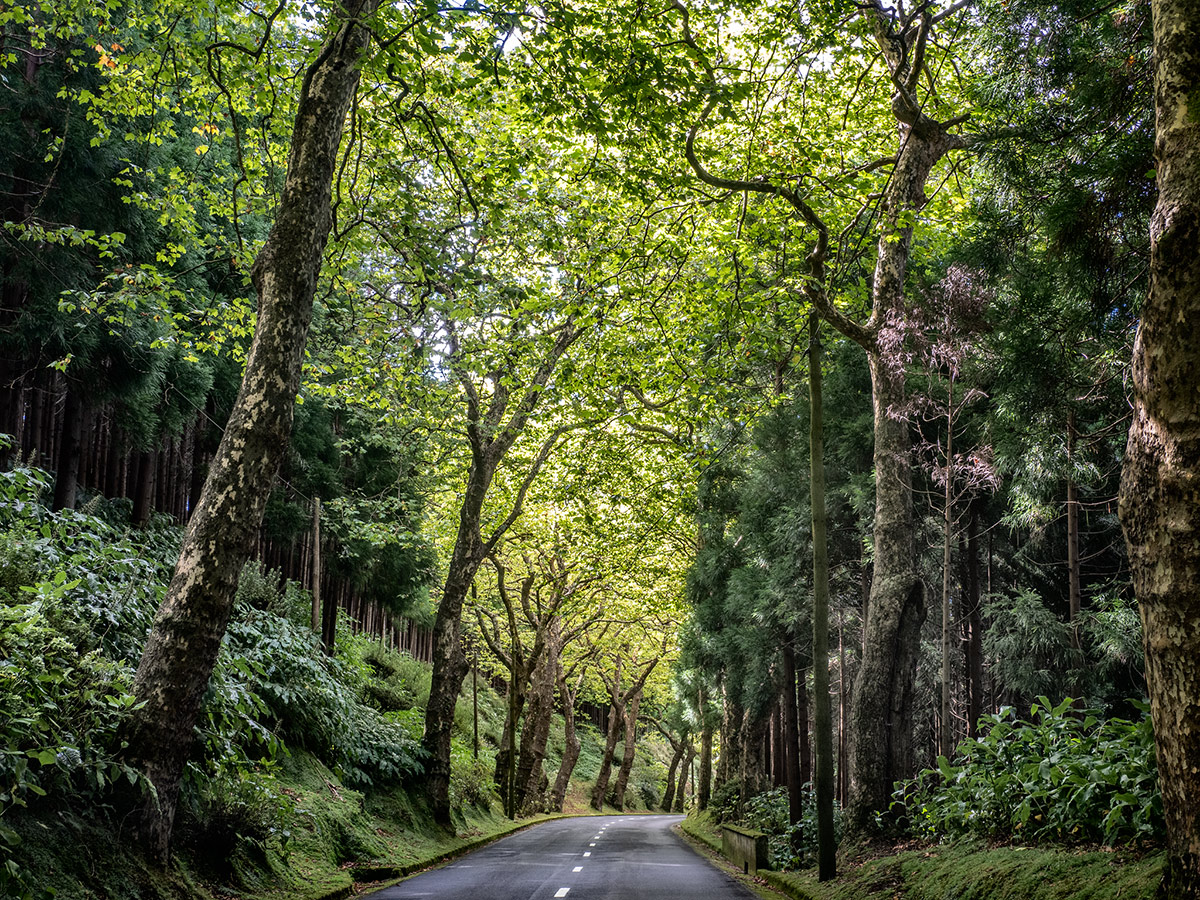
(1064, 774)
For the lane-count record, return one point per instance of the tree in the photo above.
(186, 635)
(823, 720)
(1160, 487)
(882, 711)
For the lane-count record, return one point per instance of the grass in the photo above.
(969, 870)
(341, 842)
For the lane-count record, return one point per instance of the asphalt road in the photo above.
(586, 858)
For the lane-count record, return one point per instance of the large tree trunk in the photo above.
(672, 771)
(449, 661)
(531, 779)
(631, 715)
(186, 634)
(571, 746)
(881, 711)
(753, 772)
(1160, 485)
(616, 715)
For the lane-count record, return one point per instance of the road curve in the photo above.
(584, 858)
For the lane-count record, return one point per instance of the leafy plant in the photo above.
(1064, 775)
(470, 777)
(790, 846)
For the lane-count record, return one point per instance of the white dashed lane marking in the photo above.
(577, 869)
(561, 892)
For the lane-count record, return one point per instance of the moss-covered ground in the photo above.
(968, 870)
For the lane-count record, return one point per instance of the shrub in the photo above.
(1062, 775)
(790, 846)
(233, 811)
(275, 671)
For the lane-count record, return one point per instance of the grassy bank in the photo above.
(970, 869)
(339, 841)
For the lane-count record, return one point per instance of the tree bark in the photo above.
(490, 439)
(188, 628)
(680, 790)
(631, 715)
(822, 718)
(571, 745)
(791, 736)
(945, 730)
(752, 770)
(616, 716)
(704, 787)
(1074, 580)
(974, 617)
(531, 778)
(66, 481)
(1160, 485)
(672, 772)
(881, 709)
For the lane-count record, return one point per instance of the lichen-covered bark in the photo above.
(1160, 487)
(187, 631)
(631, 717)
(881, 712)
(531, 779)
(616, 716)
(571, 745)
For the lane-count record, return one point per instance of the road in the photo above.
(585, 858)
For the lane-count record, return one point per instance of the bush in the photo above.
(1064, 775)
(234, 811)
(396, 681)
(789, 846)
(725, 802)
(274, 670)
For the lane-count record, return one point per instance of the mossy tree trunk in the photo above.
(187, 631)
(571, 742)
(631, 721)
(1160, 486)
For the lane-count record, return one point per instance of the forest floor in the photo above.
(967, 869)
